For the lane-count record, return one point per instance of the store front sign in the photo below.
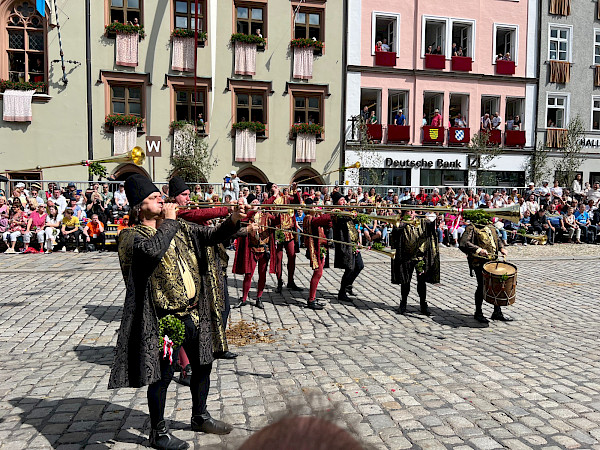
(424, 163)
(590, 142)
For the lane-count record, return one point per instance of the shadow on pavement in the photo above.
(100, 354)
(454, 319)
(104, 313)
(82, 422)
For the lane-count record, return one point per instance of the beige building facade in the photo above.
(156, 92)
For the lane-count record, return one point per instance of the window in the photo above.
(490, 105)
(308, 25)
(459, 105)
(126, 11)
(437, 177)
(126, 99)
(385, 28)
(596, 113)
(506, 40)
(462, 36)
(514, 110)
(397, 100)
(434, 36)
(189, 105)
(26, 44)
(559, 46)
(307, 108)
(597, 47)
(250, 107)
(185, 15)
(249, 19)
(500, 178)
(556, 111)
(431, 102)
(388, 176)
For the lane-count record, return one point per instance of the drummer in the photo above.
(481, 244)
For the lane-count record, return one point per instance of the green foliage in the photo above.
(522, 231)
(570, 158)
(486, 152)
(368, 157)
(191, 158)
(179, 124)
(304, 43)
(125, 120)
(38, 86)
(124, 28)
(97, 169)
(173, 328)
(420, 266)
(307, 128)
(252, 126)
(363, 219)
(247, 38)
(537, 167)
(280, 236)
(185, 33)
(377, 246)
(476, 216)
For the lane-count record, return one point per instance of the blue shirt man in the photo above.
(582, 217)
(400, 118)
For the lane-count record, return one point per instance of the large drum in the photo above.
(499, 283)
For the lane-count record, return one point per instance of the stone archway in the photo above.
(305, 173)
(123, 171)
(252, 175)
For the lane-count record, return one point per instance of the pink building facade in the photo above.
(460, 60)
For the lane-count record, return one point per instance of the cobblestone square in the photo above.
(393, 381)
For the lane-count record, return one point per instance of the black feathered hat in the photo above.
(138, 188)
(177, 186)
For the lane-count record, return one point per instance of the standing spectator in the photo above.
(556, 190)
(577, 186)
(422, 198)
(435, 197)
(93, 234)
(496, 121)
(588, 231)
(235, 185)
(486, 123)
(594, 194)
(71, 189)
(372, 118)
(364, 115)
(510, 123)
(385, 46)
(52, 229)
(399, 118)
(517, 124)
(460, 121)
(530, 190)
(70, 230)
(541, 192)
(424, 123)
(121, 204)
(437, 119)
(59, 200)
(36, 224)
(17, 224)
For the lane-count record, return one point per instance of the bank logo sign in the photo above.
(433, 133)
(459, 135)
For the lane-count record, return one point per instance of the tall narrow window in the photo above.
(250, 107)
(556, 111)
(597, 47)
(596, 113)
(462, 36)
(435, 36)
(558, 44)
(184, 14)
(126, 11)
(26, 44)
(189, 106)
(249, 20)
(307, 25)
(126, 99)
(307, 109)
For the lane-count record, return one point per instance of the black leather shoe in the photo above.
(225, 355)
(279, 287)
(425, 309)
(187, 379)
(240, 303)
(402, 308)
(349, 291)
(161, 438)
(479, 317)
(314, 305)
(343, 297)
(207, 424)
(293, 287)
(500, 317)
(259, 304)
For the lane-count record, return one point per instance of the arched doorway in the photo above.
(123, 171)
(252, 175)
(306, 173)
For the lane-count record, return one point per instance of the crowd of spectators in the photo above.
(60, 218)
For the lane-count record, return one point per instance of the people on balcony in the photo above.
(517, 124)
(486, 123)
(437, 119)
(364, 115)
(429, 50)
(385, 47)
(460, 121)
(424, 119)
(454, 49)
(379, 46)
(372, 118)
(496, 121)
(400, 118)
(437, 51)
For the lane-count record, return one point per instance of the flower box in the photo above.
(185, 33)
(247, 39)
(123, 120)
(257, 127)
(462, 63)
(317, 46)
(437, 62)
(505, 67)
(385, 59)
(40, 87)
(306, 128)
(112, 29)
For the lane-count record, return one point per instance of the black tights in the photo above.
(421, 289)
(199, 384)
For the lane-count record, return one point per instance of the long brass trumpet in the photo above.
(541, 238)
(136, 155)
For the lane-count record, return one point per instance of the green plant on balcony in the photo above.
(257, 127)
(38, 86)
(247, 39)
(123, 120)
(124, 28)
(185, 33)
(304, 43)
(306, 128)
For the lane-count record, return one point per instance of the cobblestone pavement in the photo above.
(394, 381)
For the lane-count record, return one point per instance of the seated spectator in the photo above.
(390, 195)
(593, 194)
(70, 230)
(124, 224)
(35, 194)
(52, 229)
(541, 225)
(588, 231)
(93, 234)
(556, 220)
(572, 226)
(17, 224)
(455, 227)
(422, 198)
(435, 197)
(372, 232)
(524, 224)
(4, 212)
(36, 224)
(532, 205)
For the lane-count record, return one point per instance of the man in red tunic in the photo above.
(286, 222)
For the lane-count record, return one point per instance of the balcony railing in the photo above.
(433, 135)
(495, 137)
(459, 136)
(398, 133)
(505, 67)
(514, 138)
(462, 63)
(437, 62)
(556, 137)
(385, 59)
(375, 131)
